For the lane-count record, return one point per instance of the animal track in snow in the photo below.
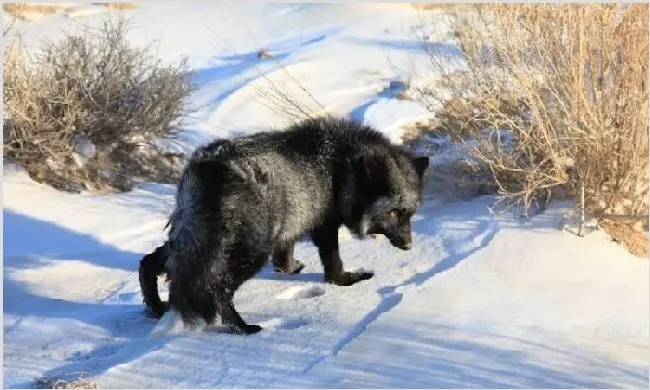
(129, 298)
(301, 292)
(284, 323)
(103, 351)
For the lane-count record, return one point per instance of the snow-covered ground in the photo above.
(482, 300)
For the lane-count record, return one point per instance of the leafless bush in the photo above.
(86, 109)
(562, 91)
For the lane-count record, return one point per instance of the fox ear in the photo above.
(421, 164)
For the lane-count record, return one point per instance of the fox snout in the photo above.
(403, 242)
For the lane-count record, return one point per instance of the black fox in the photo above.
(244, 200)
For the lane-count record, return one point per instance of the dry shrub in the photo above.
(454, 174)
(22, 10)
(86, 110)
(442, 6)
(119, 6)
(562, 91)
(433, 6)
(456, 120)
(403, 96)
(18, 9)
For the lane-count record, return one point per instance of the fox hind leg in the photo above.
(284, 261)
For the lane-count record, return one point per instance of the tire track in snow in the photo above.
(481, 240)
(135, 234)
(391, 296)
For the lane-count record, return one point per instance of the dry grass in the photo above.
(33, 11)
(119, 6)
(631, 238)
(404, 95)
(18, 9)
(562, 91)
(413, 132)
(453, 175)
(436, 6)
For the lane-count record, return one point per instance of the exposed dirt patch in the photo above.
(57, 383)
(264, 54)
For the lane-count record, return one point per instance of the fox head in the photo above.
(392, 188)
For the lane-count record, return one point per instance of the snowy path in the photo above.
(481, 301)
(475, 304)
(505, 316)
(95, 298)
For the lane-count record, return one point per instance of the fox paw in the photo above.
(348, 278)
